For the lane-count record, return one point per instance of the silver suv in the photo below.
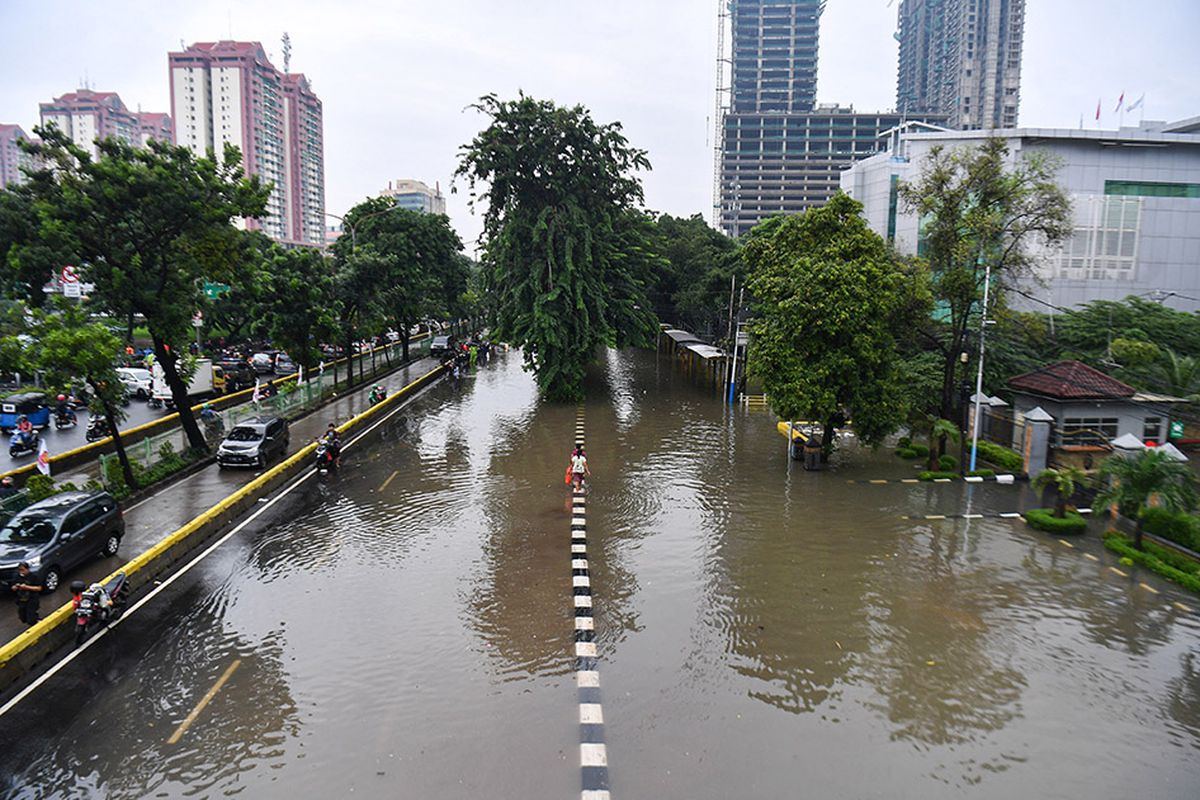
(253, 443)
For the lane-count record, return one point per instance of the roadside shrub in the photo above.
(982, 473)
(921, 450)
(1043, 519)
(1153, 559)
(906, 452)
(927, 475)
(1002, 457)
(1180, 528)
(948, 463)
(904, 441)
(40, 487)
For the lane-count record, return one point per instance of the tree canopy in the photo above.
(691, 285)
(147, 227)
(832, 302)
(566, 256)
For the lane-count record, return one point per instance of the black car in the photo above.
(442, 344)
(253, 443)
(59, 533)
(238, 375)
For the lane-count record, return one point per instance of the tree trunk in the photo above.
(931, 463)
(404, 345)
(110, 415)
(179, 394)
(350, 358)
(1137, 532)
(1060, 504)
(827, 442)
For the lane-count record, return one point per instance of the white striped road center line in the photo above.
(593, 755)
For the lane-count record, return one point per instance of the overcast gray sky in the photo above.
(395, 75)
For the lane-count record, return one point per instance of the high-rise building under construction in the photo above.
(961, 58)
(778, 151)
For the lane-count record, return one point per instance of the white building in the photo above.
(416, 196)
(1135, 194)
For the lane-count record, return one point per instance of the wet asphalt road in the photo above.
(60, 441)
(150, 519)
(405, 628)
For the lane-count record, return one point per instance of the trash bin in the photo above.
(812, 453)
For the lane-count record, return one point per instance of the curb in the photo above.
(28, 649)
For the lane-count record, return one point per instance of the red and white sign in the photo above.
(69, 274)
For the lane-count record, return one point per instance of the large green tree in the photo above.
(29, 256)
(148, 227)
(832, 302)
(979, 208)
(691, 286)
(566, 257)
(68, 345)
(422, 270)
(297, 302)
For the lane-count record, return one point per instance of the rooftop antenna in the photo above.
(287, 53)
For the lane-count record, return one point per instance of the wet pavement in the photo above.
(404, 629)
(148, 520)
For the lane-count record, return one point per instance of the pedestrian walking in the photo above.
(579, 468)
(28, 589)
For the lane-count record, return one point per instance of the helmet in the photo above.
(206, 407)
(62, 397)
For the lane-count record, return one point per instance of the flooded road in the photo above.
(405, 629)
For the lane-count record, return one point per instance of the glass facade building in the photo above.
(781, 153)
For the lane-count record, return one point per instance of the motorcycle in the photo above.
(97, 428)
(378, 395)
(65, 419)
(97, 605)
(22, 443)
(326, 460)
(214, 427)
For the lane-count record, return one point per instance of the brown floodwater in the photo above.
(405, 629)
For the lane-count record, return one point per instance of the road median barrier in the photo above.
(24, 652)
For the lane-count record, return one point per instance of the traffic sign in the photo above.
(198, 319)
(69, 275)
(214, 290)
(72, 289)
(1176, 429)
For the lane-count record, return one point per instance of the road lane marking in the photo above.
(1065, 543)
(1148, 588)
(1090, 557)
(204, 701)
(1182, 607)
(935, 516)
(877, 483)
(389, 479)
(1010, 515)
(99, 635)
(1119, 572)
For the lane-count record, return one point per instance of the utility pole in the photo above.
(736, 335)
(983, 323)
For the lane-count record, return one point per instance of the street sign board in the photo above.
(214, 290)
(198, 319)
(1176, 429)
(72, 289)
(69, 275)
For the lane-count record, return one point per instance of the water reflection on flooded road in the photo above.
(405, 629)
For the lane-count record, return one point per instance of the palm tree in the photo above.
(1064, 480)
(1133, 481)
(1181, 375)
(939, 431)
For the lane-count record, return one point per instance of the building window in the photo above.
(1151, 189)
(1152, 429)
(1089, 430)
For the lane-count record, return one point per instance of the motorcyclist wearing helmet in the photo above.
(63, 409)
(378, 393)
(333, 440)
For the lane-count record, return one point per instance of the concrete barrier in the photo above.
(29, 648)
(92, 450)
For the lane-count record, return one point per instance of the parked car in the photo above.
(238, 374)
(137, 381)
(284, 364)
(263, 363)
(441, 345)
(59, 533)
(254, 442)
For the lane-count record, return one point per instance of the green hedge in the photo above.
(1003, 457)
(932, 476)
(982, 473)
(1156, 559)
(904, 441)
(1043, 519)
(921, 450)
(1181, 528)
(906, 452)
(948, 463)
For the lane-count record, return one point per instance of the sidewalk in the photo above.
(148, 520)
